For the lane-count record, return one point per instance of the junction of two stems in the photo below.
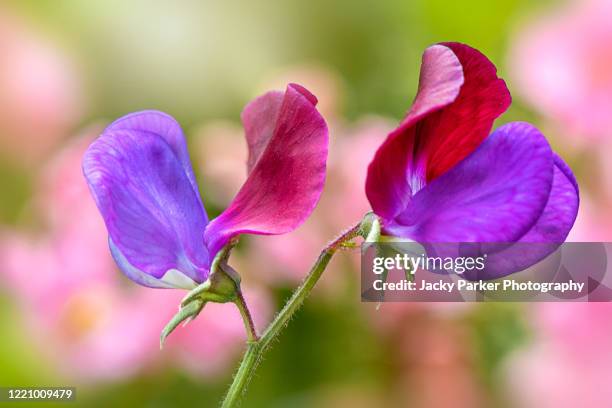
(369, 229)
(223, 285)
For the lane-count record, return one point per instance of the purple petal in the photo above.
(173, 278)
(154, 217)
(287, 176)
(546, 235)
(387, 185)
(496, 194)
(165, 126)
(561, 209)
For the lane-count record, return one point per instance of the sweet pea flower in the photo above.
(141, 178)
(78, 315)
(441, 178)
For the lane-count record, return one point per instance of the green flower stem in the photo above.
(256, 349)
(246, 317)
(242, 377)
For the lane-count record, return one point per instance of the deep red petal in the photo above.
(388, 186)
(447, 136)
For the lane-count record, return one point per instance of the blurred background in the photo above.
(69, 67)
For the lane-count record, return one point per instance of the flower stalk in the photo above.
(256, 348)
(249, 325)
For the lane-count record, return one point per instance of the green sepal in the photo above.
(369, 228)
(189, 311)
(222, 286)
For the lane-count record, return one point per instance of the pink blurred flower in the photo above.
(569, 364)
(221, 152)
(349, 158)
(602, 175)
(40, 91)
(80, 311)
(432, 353)
(562, 64)
(594, 222)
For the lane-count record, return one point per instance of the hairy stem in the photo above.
(257, 348)
(246, 317)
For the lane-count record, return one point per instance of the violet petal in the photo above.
(165, 126)
(153, 215)
(547, 234)
(496, 194)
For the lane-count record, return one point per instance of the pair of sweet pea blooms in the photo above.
(438, 177)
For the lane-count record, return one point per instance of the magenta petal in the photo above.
(154, 217)
(387, 185)
(286, 180)
(259, 119)
(496, 194)
(165, 126)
